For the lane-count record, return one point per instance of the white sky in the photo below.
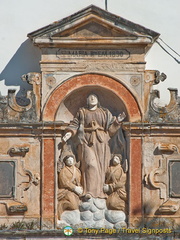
(20, 17)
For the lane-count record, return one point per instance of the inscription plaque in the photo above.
(7, 179)
(100, 54)
(174, 178)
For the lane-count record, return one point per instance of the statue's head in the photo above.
(117, 159)
(69, 160)
(92, 100)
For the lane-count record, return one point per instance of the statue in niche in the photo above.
(69, 182)
(115, 185)
(94, 127)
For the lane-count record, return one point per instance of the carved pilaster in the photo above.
(165, 178)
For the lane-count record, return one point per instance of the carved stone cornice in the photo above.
(73, 30)
(142, 129)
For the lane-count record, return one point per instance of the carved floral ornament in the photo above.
(135, 80)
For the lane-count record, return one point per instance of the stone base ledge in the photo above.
(59, 234)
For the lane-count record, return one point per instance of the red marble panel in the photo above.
(48, 179)
(135, 178)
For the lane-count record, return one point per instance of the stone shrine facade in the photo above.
(91, 52)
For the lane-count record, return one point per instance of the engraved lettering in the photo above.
(81, 53)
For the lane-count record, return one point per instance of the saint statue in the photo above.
(115, 185)
(94, 126)
(69, 186)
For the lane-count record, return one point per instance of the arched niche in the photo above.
(77, 99)
(65, 100)
(77, 88)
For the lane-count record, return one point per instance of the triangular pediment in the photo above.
(92, 23)
(93, 29)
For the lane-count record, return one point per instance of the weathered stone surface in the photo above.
(71, 217)
(119, 225)
(99, 215)
(84, 83)
(7, 179)
(168, 113)
(62, 224)
(174, 178)
(99, 203)
(24, 108)
(93, 208)
(108, 224)
(91, 38)
(85, 206)
(89, 224)
(99, 224)
(86, 216)
(114, 216)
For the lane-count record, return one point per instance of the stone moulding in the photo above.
(157, 178)
(18, 151)
(161, 178)
(14, 207)
(29, 177)
(115, 29)
(169, 207)
(167, 147)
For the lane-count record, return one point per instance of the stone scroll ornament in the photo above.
(94, 126)
(162, 178)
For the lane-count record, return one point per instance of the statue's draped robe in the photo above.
(116, 179)
(94, 129)
(68, 179)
